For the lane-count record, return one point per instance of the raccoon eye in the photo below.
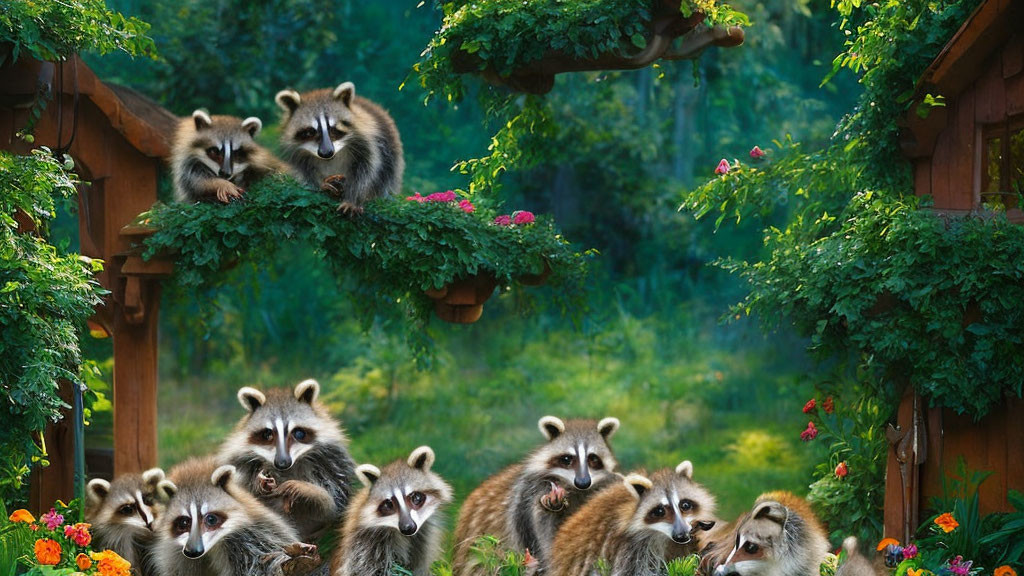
(657, 512)
(417, 499)
(595, 462)
(565, 460)
(335, 133)
(751, 548)
(182, 524)
(241, 155)
(212, 520)
(386, 508)
(214, 153)
(306, 134)
(267, 434)
(299, 434)
(686, 505)
(127, 510)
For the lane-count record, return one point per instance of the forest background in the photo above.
(654, 347)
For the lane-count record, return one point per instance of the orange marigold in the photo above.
(109, 563)
(83, 561)
(48, 552)
(1005, 571)
(887, 542)
(22, 515)
(947, 522)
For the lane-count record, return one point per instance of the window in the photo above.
(1002, 170)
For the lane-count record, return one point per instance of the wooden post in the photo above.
(908, 450)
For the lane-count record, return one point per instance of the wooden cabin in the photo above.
(118, 139)
(968, 155)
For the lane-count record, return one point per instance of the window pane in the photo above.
(993, 162)
(1017, 161)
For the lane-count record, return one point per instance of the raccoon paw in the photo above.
(334, 185)
(301, 549)
(349, 209)
(290, 492)
(267, 483)
(301, 565)
(226, 192)
(555, 500)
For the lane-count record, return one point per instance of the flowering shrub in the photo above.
(54, 546)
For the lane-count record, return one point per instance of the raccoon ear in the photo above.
(307, 391)
(637, 485)
(367, 474)
(222, 476)
(771, 510)
(607, 427)
(251, 398)
(97, 489)
(166, 490)
(202, 119)
(422, 458)
(288, 100)
(345, 92)
(252, 125)
(685, 468)
(551, 427)
(153, 476)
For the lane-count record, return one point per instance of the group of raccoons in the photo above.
(284, 477)
(334, 140)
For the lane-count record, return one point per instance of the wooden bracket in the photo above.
(909, 444)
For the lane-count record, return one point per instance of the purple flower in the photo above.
(959, 567)
(52, 519)
(910, 551)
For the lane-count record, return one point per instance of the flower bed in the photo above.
(393, 253)
(53, 545)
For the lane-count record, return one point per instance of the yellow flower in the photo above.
(1005, 571)
(947, 522)
(108, 563)
(22, 515)
(83, 562)
(912, 572)
(48, 552)
(887, 542)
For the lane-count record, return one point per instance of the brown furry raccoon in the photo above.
(631, 525)
(216, 158)
(394, 521)
(525, 504)
(780, 537)
(292, 455)
(342, 143)
(123, 513)
(214, 527)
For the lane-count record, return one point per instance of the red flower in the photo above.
(79, 534)
(503, 220)
(522, 217)
(810, 406)
(416, 198)
(447, 196)
(842, 470)
(829, 405)
(810, 433)
(723, 167)
(467, 206)
(756, 153)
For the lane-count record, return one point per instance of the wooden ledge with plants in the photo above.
(415, 253)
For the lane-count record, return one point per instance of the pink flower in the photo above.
(810, 406)
(810, 433)
(447, 196)
(467, 206)
(842, 470)
(79, 534)
(910, 551)
(416, 198)
(522, 217)
(52, 519)
(503, 220)
(959, 567)
(756, 153)
(723, 167)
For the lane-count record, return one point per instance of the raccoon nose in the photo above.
(224, 173)
(282, 462)
(325, 154)
(582, 483)
(193, 551)
(407, 528)
(681, 537)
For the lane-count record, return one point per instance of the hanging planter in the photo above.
(462, 301)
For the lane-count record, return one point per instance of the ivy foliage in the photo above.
(860, 265)
(389, 255)
(45, 299)
(505, 35)
(53, 30)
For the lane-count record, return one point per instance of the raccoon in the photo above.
(342, 143)
(524, 505)
(214, 527)
(855, 563)
(293, 456)
(216, 158)
(779, 537)
(394, 521)
(123, 513)
(631, 525)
